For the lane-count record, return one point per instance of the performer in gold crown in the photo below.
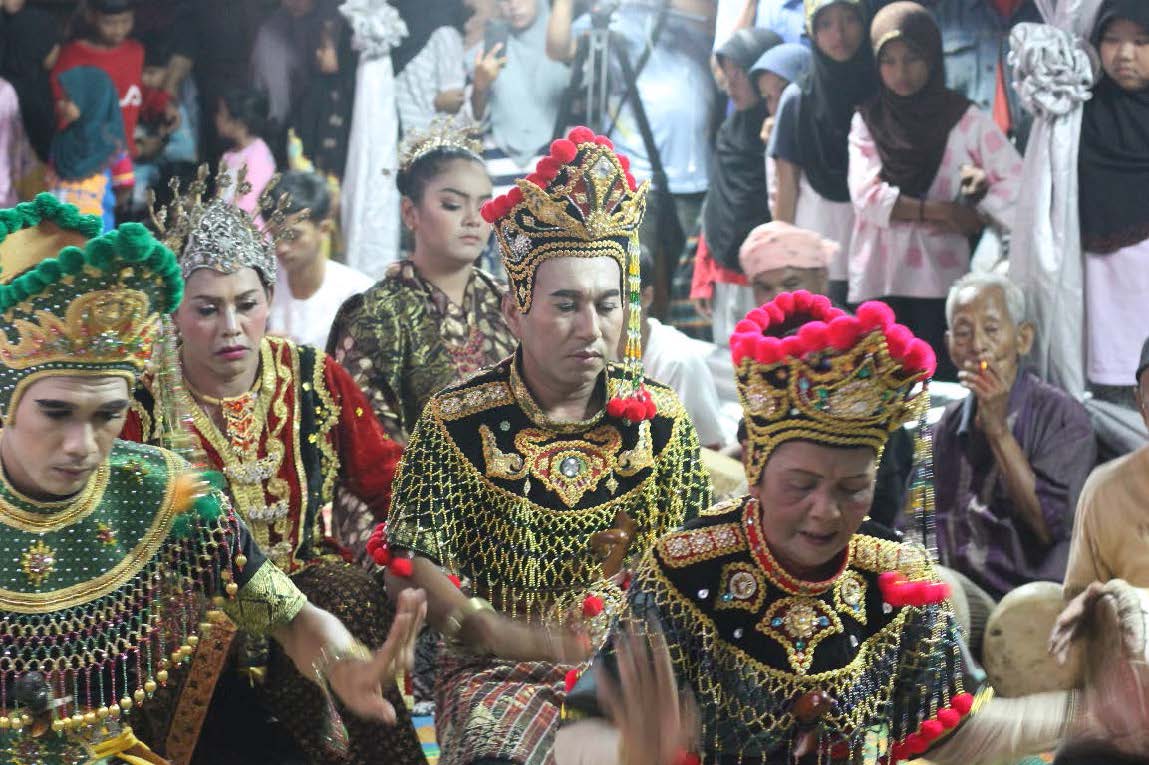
(532, 483)
(285, 425)
(111, 550)
(798, 630)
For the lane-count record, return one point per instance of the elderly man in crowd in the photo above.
(1011, 458)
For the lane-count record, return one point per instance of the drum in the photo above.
(1015, 651)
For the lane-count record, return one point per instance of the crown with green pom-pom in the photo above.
(74, 301)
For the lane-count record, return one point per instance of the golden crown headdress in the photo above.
(837, 380)
(580, 202)
(73, 300)
(212, 232)
(443, 133)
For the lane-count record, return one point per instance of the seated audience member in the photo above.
(778, 257)
(1109, 543)
(1111, 536)
(1011, 458)
(315, 286)
(679, 361)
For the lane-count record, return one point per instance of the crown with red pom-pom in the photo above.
(808, 371)
(580, 202)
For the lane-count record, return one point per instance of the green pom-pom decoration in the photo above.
(51, 269)
(134, 242)
(101, 253)
(29, 283)
(215, 478)
(10, 220)
(90, 226)
(72, 259)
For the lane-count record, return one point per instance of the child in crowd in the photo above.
(241, 120)
(100, 38)
(165, 139)
(87, 150)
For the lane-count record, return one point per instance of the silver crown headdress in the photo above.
(443, 133)
(214, 233)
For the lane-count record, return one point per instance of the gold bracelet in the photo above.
(453, 625)
(329, 656)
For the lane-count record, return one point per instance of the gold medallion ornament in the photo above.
(38, 562)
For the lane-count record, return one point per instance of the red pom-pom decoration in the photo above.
(455, 580)
(564, 150)
(920, 357)
(875, 314)
(888, 578)
(581, 134)
(616, 407)
(402, 567)
(793, 347)
(787, 301)
(548, 167)
(631, 183)
(898, 339)
(570, 680)
(949, 718)
(513, 197)
(774, 313)
(962, 703)
(821, 305)
(916, 743)
(382, 556)
(489, 211)
(813, 335)
(635, 410)
(932, 729)
(602, 140)
(760, 318)
(936, 592)
(537, 179)
(651, 409)
(592, 606)
(768, 351)
(843, 332)
(624, 161)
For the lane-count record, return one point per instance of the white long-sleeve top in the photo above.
(918, 260)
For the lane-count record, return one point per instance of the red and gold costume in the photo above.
(303, 429)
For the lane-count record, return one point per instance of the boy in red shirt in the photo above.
(102, 40)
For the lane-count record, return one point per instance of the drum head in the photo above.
(1016, 648)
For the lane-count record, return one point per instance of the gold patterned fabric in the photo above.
(404, 340)
(749, 641)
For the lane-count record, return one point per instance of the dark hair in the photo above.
(79, 27)
(307, 191)
(646, 264)
(412, 181)
(250, 107)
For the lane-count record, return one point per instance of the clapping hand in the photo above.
(655, 722)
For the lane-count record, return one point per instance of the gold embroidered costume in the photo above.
(754, 644)
(103, 594)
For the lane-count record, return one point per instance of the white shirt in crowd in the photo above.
(308, 322)
(679, 361)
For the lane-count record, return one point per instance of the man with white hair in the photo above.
(1010, 459)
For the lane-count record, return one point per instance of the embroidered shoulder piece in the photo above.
(878, 556)
(690, 546)
(468, 401)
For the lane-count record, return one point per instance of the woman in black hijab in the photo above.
(809, 142)
(1113, 174)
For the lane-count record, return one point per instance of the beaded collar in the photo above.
(525, 399)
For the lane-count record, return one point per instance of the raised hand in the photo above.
(656, 723)
(359, 684)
